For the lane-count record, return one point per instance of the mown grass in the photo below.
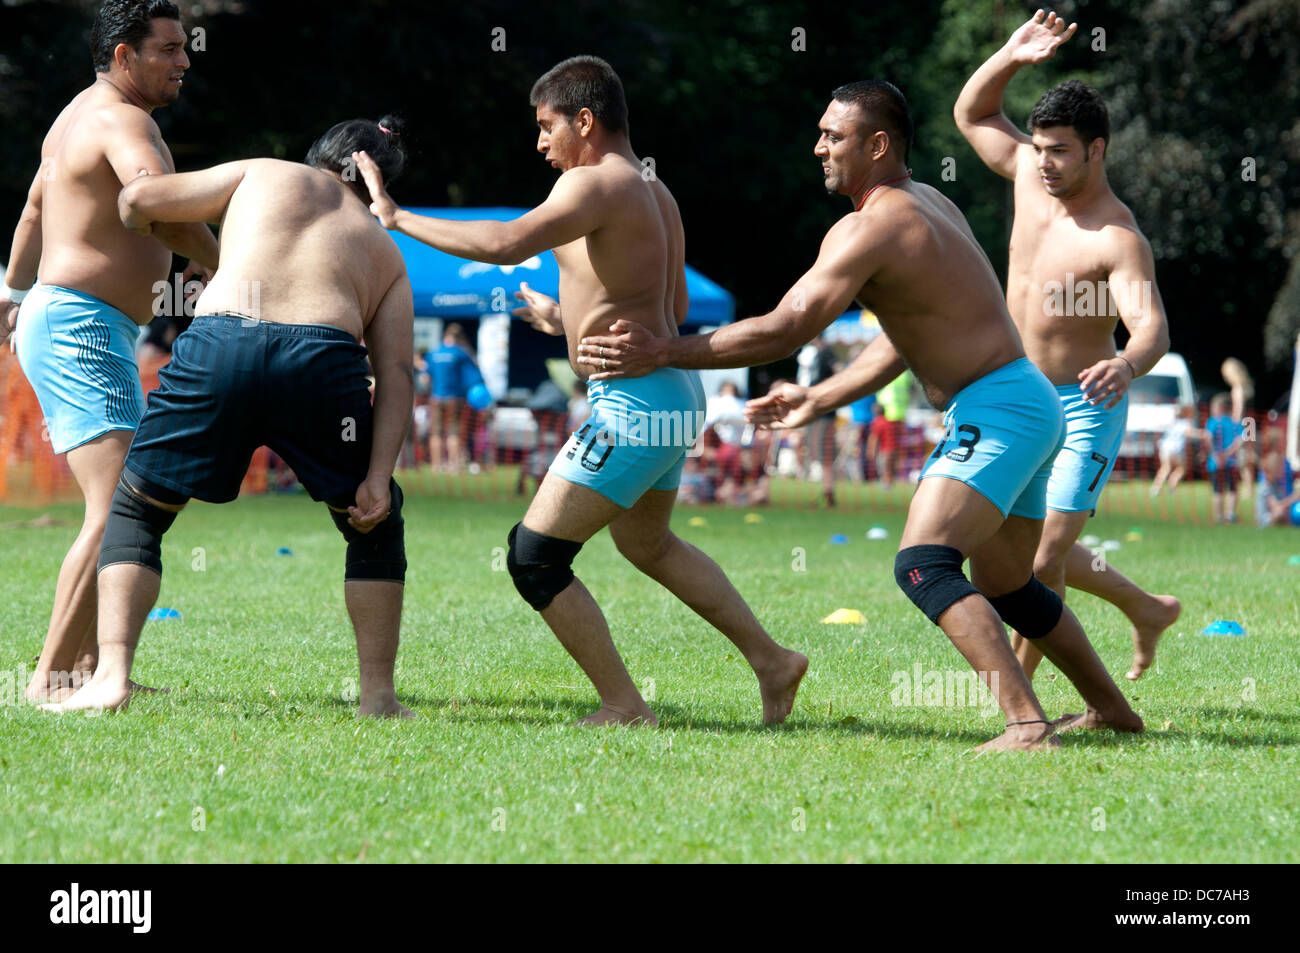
(256, 755)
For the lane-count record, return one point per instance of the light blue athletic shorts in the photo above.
(78, 353)
(1092, 439)
(637, 435)
(1002, 433)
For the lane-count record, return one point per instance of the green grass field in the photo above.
(256, 755)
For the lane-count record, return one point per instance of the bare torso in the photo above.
(627, 269)
(935, 292)
(83, 243)
(298, 247)
(1056, 277)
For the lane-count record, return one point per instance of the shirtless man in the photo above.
(983, 492)
(1072, 237)
(618, 239)
(273, 357)
(76, 330)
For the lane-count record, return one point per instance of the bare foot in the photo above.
(97, 696)
(41, 696)
(388, 708)
(1023, 738)
(607, 715)
(54, 687)
(1092, 720)
(778, 686)
(1164, 612)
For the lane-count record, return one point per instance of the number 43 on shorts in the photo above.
(970, 436)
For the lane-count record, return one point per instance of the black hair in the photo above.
(884, 109)
(1074, 104)
(125, 21)
(382, 140)
(583, 82)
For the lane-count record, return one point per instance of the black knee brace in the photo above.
(379, 555)
(932, 578)
(1032, 610)
(134, 531)
(540, 565)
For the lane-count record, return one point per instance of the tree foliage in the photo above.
(726, 102)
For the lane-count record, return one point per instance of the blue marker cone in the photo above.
(839, 539)
(164, 614)
(1223, 627)
(284, 551)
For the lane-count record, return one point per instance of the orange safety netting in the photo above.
(30, 471)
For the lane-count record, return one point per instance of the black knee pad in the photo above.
(932, 578)
(134, 531)
(379, 555)
(1032, 610)
(540, 565)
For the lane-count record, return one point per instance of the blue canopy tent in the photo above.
(447, 288)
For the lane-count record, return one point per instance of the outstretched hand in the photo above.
(381, 204)
(784, 407)
(628, 350)
(1038, 38)
(542, 312)
(373, 505)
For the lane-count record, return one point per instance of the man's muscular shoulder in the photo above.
(125, 118)
(124, 123)
(1120, 235)
(587, 179)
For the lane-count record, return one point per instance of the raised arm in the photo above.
(24, 255)
(849, 256)
(572, 210)
(389, 338)
(1132, 286)
(978, 111)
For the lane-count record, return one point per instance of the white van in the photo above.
(1153, 403)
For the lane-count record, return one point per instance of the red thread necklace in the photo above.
(878, 185)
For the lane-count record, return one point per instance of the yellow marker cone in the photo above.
(753, 518)
(697, 521)
(845, 617)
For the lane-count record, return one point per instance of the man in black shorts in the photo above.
(273, 357)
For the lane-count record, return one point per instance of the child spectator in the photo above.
(1173, 450)
(744, 478)
(1222, 440)
(454, 372)
(1242, 391)
(725, 413)
(1276, 492)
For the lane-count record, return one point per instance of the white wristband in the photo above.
(13, 294)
